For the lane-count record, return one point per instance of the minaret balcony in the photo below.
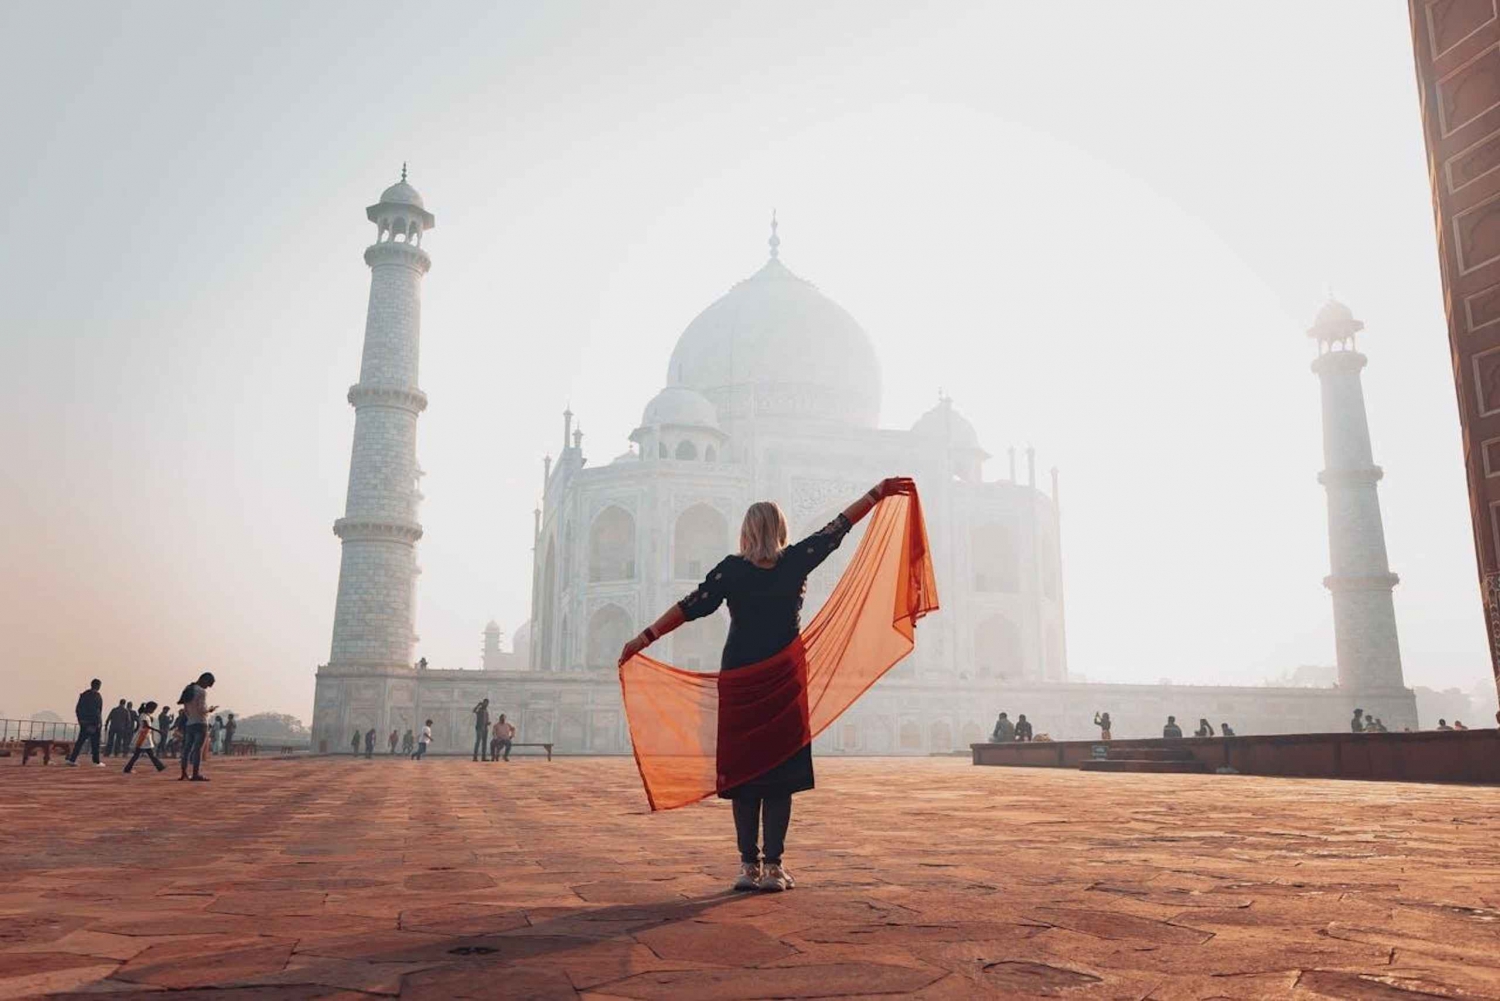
(1368, 476)
(400, 397)
(392, 252)
(1361, 582)
(377, 529)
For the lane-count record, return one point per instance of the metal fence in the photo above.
(36, 729)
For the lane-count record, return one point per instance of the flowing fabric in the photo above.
(696, 734)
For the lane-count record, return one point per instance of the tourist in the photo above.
(164, 729)
(370, 744)
(1443, 725)
(764, 584)
(216, 735)
(481, 729)
(115, 729)
(195, 709)
(1101, 720)
(131, 722)
(90, 715)
(504, 734)
(1458, 724)
(1205, 728)
(408, 742)
(144, 742)
(1225, 730)
(1023, 728)
(1005, 730)
(424, 740)
(1171, 731)
(1357, 723)
(395, 739)
(229, 728)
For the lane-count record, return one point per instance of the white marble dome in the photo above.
(402, 193)
(776, 346)
(682, 406)
(946, 424)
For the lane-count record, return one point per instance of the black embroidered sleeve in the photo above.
(708, 596)
(817, 547)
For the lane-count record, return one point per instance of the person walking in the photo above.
(144, 742)
(354, 743)
(370, 744)
(423, 740)
(90, 715)
(504, 734)
(764, 584)
(408, 742)
(196, 710)
(395, 736)
(114, 730)
(481, 729)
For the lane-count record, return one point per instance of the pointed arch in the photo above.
(612, 545)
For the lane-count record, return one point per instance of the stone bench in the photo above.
(547, 747)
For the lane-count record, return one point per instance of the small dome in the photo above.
(1334, 322)
(681, 406)
(944, 423)
(492, 627)
(402, 193)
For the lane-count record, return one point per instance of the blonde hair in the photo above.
(763, 532)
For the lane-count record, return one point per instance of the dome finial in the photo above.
(403, 171)
(774, 241)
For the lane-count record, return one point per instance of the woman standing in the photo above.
(764, 585)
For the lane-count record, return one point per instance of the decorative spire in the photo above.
(403, 171)
(774, 241)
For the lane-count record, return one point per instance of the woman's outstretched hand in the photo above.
(893, 485)
(636, 645)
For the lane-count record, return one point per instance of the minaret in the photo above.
(374, 618)
(1364, 618)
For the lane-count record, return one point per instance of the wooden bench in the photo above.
(548, 748)
(28, 747)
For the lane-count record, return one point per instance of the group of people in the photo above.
(497, 737)
(1360, 723)
(1205, 729)
(492, 742)
(139, 730)
(1005, 731)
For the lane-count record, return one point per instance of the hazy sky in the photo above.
(1101, 228)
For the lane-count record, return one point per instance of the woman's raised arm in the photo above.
(885, 488)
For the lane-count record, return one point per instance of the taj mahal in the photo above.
(617, 541)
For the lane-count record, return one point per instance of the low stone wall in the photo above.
(1427, 756)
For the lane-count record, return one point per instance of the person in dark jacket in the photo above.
(90, 714)
(116, 728)
(1023, 728)
(370, 743)
(1171, 731)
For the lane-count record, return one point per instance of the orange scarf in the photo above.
(697, 734)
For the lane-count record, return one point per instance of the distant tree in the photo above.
(47, 716)
(271, 726)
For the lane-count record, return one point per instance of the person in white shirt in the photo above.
(143, 741)
(504, 734)
(195, 735)
(423, 740)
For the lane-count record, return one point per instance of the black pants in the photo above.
(149, 752)
(86, 735)
(481, 744)
(192, 746)
(750, 812)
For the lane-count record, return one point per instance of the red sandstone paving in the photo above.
(926, 878)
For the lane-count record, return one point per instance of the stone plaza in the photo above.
(923, 877)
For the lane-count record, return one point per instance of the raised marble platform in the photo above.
(1426, 756)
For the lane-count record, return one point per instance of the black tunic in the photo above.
(765, 606)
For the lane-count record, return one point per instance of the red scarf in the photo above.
(697, 734)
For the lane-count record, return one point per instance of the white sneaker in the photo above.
(99, 764)
(749, 878)
(774, 878)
